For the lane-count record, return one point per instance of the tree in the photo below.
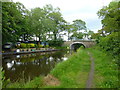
(68, 29)
(12, 14)
(38, 24)
(57, 21)
(88, 34)
(110, 40)
(110, 16)
(79, 25)
(77, 35)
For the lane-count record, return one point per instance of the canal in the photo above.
(28, 66)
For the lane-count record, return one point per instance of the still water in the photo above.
(28, 66)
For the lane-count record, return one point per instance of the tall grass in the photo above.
(35, 83)
(73, 73)
(106, 70)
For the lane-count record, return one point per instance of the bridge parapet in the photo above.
(86, 43)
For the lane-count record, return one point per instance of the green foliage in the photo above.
(79, 24)
(47, 46)
(1, 76)
(109, 34)
(111, 43)
(73, 72)
(35, 83)
(110, 16)
(30, 45)
(12, 21)
(77, 35)
(20, 23)
(3, 82)
(27, 45)
(40, 46)
(23, 45)
(55, 43)
(106, 69)
(46, 20)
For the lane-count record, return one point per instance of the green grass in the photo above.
(106, 70)
(35, 83)
(1, 77)
(73, 73)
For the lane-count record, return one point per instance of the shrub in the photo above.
(23, 45)
(56, 43)
(40, 46)
(36, 45)
(3, 80)
(47, 46)
(30, 45)
(111, 44)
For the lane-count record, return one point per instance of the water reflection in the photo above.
(32, 65)
(17, 56)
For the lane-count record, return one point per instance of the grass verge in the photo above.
(73, 73)
(106, 69)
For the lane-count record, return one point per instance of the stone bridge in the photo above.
(79, 43)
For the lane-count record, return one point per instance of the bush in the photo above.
(111, 44)
(23, 45)
(40, 46)
(47, 46)
(56, 43)
(36, 45)
(3, 80)
(30, 45)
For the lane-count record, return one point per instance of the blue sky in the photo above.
(74, 9)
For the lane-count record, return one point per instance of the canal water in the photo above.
(29, 66)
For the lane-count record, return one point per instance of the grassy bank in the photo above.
(73, 73)
(106, 70)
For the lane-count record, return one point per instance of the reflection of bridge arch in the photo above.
(72, 45)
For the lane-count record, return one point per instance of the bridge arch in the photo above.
(76, 45)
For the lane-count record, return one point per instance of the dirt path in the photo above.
(89, 83)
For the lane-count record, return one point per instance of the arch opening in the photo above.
(74, 46)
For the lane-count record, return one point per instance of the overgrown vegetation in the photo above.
(3, 81)
(108, 37)
(35, 83)
(106, 69)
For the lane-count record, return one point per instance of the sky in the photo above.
(85, 10)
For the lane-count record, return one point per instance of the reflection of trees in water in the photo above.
(32, 65)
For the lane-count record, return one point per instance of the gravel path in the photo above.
(89, 83)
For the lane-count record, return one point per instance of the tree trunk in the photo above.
(55, 36)
(39, 37)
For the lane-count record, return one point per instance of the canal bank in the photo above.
(75, 72)
(31, 65)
